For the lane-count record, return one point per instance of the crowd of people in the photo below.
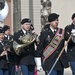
(33, 53)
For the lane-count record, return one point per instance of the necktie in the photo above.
(8, 37)
(2, 43)
(54, 32)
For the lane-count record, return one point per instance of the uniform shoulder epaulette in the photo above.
(16, 32)
(44, 30)
(68, 25)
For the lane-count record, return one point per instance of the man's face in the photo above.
(54, 24)
(7, 32)
(74, 20)
(1, 36)
(26, 26)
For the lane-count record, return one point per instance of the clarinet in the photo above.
(5, 49)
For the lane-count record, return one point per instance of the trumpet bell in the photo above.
(17, 47)
(27, 40)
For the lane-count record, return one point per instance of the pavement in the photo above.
(66, 72)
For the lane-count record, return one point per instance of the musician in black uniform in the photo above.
(27, 53)
(11, 55)
(70, 29)
(3, 55)
(49, 50)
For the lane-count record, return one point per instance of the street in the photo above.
(66, 72)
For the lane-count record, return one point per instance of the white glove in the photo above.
(38, 63)
(73, 32)
(73, 35)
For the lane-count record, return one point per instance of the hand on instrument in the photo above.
(8, 49)
(3, 53)
(73, 32)
(73, 35)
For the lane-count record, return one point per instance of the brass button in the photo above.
(70, 49)
(56, 51)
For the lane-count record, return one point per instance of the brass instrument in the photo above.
(27, 40)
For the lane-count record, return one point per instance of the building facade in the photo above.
(32, 9)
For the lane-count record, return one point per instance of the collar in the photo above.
(5, 35)
(53, 29)
(73, 23)
(24, 31)
(0, 41)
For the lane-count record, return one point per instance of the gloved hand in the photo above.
(39, 68)
(38, 63)
(73, 32)
(73, 35)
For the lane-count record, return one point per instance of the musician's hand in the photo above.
(73, 32)
(38, 63)
(3, 53)
(33, 32)
(73, 35)
(8, 49)
(39, 68)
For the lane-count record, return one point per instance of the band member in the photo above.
(32, 29)
(49, 47)
(70, 29)
(3, 55)
(7, 35)
(11, 55)
(27, 53)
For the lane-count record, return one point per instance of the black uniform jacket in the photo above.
(11, 54)
(3, 61)
(45, 39)
(71, 44)
(26, 53)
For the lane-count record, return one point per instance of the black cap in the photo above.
(73, 16)
(5, 28)
(1, 30)
(52, 17)
(25, 20)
